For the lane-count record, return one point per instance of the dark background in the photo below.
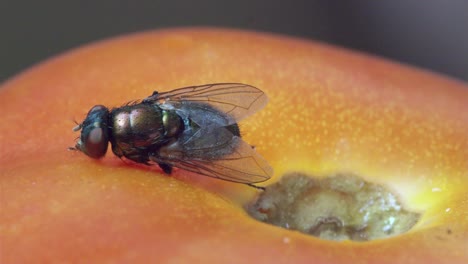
(432, 34)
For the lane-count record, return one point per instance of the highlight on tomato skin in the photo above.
(330, 111)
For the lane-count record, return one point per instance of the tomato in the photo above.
(330, 110)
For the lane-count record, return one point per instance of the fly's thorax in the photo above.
(172, 122)
(136, 125)
(142, 126)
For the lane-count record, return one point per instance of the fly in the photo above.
(192, 128)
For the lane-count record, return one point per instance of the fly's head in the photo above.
(95, 131)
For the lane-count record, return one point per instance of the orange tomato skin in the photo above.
(330, 110)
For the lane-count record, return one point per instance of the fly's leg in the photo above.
(256, 187)
(165, 167)
(163, 154)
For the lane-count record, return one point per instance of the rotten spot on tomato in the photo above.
(339, 207)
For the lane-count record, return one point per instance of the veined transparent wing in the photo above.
(236, 100)
(242, 165)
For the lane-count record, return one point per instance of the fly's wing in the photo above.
(208, 145)
(242, 165)
(236, 100)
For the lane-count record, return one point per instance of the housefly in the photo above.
(192, 128)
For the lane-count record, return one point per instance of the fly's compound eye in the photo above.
(95, 132)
